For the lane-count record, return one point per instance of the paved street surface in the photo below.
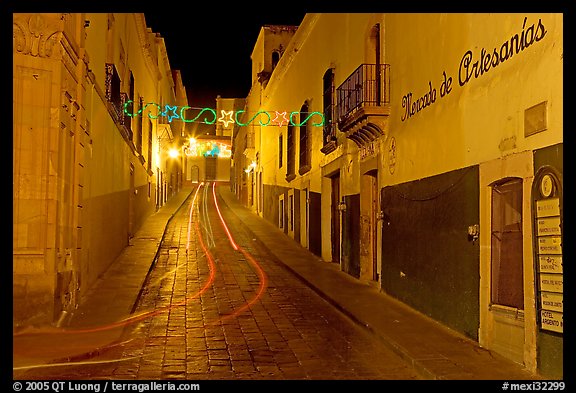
(216, 306)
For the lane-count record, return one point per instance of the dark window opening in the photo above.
(506, 244)
(329, 132)
(128, 105)
(290, 154)
(291, 212)
(275, 59)
(280, 151)
(281, 214)
(149, 146)
(304, 159)
(112, 84)
(138, 134)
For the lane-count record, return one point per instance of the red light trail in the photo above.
(151, 313)
(261, 274)
(263, 283)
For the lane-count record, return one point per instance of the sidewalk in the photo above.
(434, 351)
(113, 296)
(94, 324)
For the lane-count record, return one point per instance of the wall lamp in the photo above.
(251, 167)
(173, 153)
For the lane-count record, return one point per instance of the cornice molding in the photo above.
(36, 34)
(145, 45)
(294, 45)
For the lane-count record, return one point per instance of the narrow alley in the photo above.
(216, 305)
(287, 196)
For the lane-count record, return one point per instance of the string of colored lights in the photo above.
(226, 117)
(208, 148)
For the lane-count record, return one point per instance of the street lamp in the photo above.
(173, 153)
(251, 167)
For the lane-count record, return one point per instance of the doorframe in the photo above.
(494, 319)
(370, 206)
(131, 191)
(335, 219)
(305, 217)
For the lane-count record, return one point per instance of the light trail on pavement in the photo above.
(132, 319)
(206, 245)
(263, 279)
(151, 313)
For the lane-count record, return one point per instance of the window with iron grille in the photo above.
(329, 133)
(130, 105)
(280, 151)
(290, 153)
(138, 133)
(112, 84)
(304, 159)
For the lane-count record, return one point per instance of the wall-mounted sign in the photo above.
(552, 320)
(392, 155)
(548, 226)
(550, 263)
(474, 65)
(552, 301)
(551, 282)
(550, 245)
(546, 186)
(548, 207)
(369, 150)
(548, 241)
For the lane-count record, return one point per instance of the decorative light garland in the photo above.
(209, 148)
(226, 117)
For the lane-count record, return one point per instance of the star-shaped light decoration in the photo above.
(282, 120)
(226, 114)
(174, 115)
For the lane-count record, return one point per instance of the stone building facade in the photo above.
(90, 134)
(434, 171)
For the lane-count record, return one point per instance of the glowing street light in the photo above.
(251, 167)
(173, 153)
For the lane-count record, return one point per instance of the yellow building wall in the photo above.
(476, 120)
(92, 201)
(480, 121)
(484, 119)
(107, 192)
(343, 49)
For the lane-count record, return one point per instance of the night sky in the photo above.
(212, 50)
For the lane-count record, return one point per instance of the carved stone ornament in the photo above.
(35, 34)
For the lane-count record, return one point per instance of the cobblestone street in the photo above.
(319, 198)
(209, 311)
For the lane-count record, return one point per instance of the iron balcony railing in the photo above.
(368, 85)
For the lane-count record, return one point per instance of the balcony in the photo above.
(363, 103)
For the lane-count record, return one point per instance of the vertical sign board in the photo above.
(548, 228)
